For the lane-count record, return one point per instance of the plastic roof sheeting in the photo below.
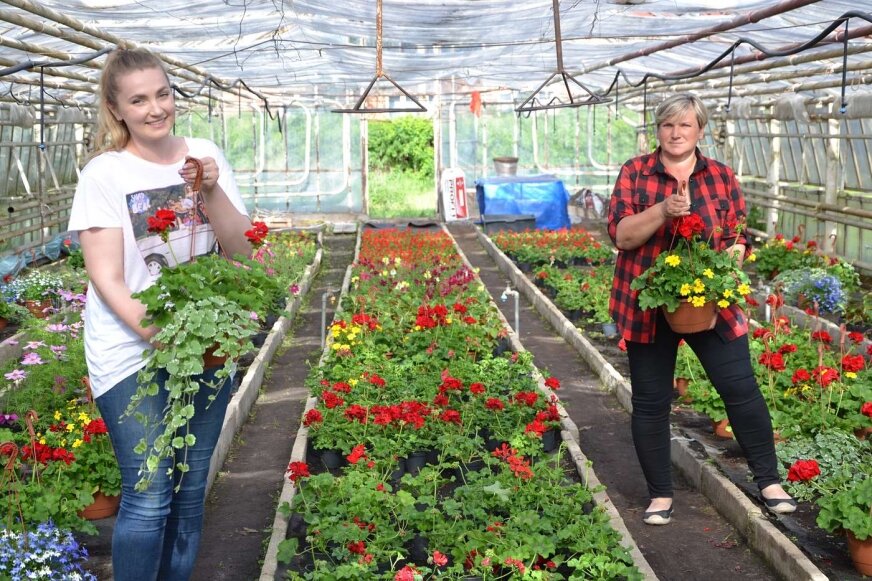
(326, 49)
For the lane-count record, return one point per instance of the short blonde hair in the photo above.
(679, 104)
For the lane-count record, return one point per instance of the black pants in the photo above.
(728, 366)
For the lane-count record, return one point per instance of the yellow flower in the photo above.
(77, 443)
(83, 417)
(427, 275)
(697, 301)
(70, 427)
(708, 273)
(698, 286)
(684, 290)
(751, 257)
(673, 260)
(723, 303)
(447, 320)
(744, 289)
(57, 415)
(850, 375)
(728, 293)
(385, 260)
(397, 260)
(336, 346)
(42, 441)
(352, 382)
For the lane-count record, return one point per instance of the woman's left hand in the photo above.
(210, 173)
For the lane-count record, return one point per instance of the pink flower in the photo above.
(439, 559)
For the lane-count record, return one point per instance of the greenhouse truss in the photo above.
(561, 91)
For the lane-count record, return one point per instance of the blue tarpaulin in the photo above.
(543, 196)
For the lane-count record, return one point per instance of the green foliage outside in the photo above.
(401, 168)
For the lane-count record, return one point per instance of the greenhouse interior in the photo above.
(455, 289)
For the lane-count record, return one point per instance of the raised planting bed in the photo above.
(410, 374)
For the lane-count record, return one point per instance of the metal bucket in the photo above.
(506, 166)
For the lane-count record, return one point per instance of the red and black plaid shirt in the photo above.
(715, 196)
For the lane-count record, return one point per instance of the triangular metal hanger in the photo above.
(532, 102)
(380, 74)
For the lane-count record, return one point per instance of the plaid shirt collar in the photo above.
(653, 165)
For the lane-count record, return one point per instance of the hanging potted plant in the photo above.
(207, 310)
(692, 281)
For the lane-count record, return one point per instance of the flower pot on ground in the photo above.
(850, 509)
(681, 385)
(861, 553)
(102, 507)
(722, 429)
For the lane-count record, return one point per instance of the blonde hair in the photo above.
(112, 134)
(676, 105)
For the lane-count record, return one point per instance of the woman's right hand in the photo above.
(678, 204)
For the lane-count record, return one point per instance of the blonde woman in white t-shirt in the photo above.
(139, 165)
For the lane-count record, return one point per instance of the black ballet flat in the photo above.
(657, 517)
(779, 505)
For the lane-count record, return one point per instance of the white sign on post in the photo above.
(454, 195)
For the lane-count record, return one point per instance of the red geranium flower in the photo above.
(687, 226)
(822, 336)
(312, 416)
(866, 409)
(803, 470)
(357, 453)
(439, 559)
(825, 375)
(553, 383)
(495, 404)
(853, 363)
(855, 337)
(161, 222)
(773, 361)
(257, 234)
(800, 376)
(297, 471)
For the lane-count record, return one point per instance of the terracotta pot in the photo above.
(863, 433)
(37, 308)
(777, 437)
(690, 319)
(861, 553)
(211, 360)
(3, 323)
(722, 429)
(681, 384)
(102, 507)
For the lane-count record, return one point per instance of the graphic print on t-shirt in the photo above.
(190, 218)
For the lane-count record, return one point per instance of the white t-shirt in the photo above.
(121, 190)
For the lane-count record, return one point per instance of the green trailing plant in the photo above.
(838, 455)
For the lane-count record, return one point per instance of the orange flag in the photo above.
(475, 103)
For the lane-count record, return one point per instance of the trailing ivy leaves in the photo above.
(183, 340)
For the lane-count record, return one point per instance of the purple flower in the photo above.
(58, 350)
(253, 316)
(57, 328)
(16, 375)
(34, 345)
(295, 289)
(32, 358)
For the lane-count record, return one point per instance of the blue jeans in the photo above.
(728, 366)
(157, 531)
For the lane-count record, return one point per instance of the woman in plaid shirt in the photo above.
(652, 190)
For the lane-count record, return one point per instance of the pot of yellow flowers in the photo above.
(692, 281)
